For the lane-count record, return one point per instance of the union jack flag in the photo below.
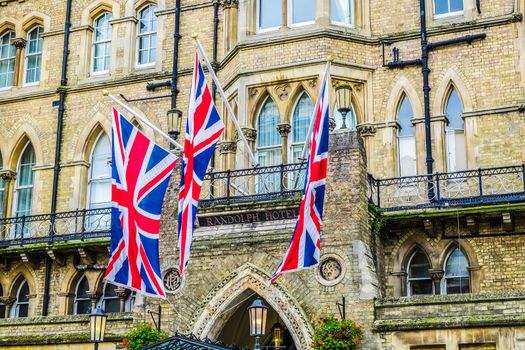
(305, 247)
(141, 172)
(203, 129)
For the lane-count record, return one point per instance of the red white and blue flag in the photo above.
(141, 172)
(305, 247)
(203, 129)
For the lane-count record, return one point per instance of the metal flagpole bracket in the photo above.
(225, 99)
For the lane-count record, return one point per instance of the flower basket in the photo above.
(331, 333)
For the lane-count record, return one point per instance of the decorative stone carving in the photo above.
(252, 92)
(249, 133)
(331, 124)
(284, 129)
(366, 130)
(7, 175)
(227, 147)
(93, 295)
(19, 43)
(312, 82)
(283, 91)
(172, 280)
(230, 3)
(331, 270)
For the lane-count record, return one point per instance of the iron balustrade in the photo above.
(251, 185)
(441, 190)
(59, 227)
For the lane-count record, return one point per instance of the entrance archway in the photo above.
(224, 301)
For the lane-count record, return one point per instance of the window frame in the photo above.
(104, 297)
(15, 307)
(2, 194)
(17, 188)
(452, 132)
(258, 28)
(291, 143)
(443, 284)
(448, 14)
(94, 43)
(76, 299)
(27, 55)
(12, 34)
(289, 16)
(404, 97)
(90, 173)
(343, 24)
(410, 279)
(139, 35)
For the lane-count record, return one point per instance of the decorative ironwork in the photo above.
(191, 342)
(59, 227)
(330, 269)
(172, 280)
(253, 184)
(462, 188)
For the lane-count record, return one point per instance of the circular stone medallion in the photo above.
(172, 280)
(331, 270)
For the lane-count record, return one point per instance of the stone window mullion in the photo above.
(19, 44)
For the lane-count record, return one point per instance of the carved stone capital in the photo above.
(121, 292)
(93, 295)
(19, 43)
(230, 3)
(366, 130)
(283, 91)
(284, 129)
(8, 300)
(7, 175)
(249, 133)
(436, 274)
(331, 124)
(227, 147)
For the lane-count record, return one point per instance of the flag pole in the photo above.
(142, 119)
(225, 99)
(326, 74)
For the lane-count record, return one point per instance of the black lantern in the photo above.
(277, 334)
(257, 312)
(97, 320)
(343, 96)
(174, 123)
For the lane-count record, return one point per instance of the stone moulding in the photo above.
(209, 320)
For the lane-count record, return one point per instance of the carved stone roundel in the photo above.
(172, 280)
(330, 269)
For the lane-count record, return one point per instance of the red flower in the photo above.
(148, 326)
(320, 342)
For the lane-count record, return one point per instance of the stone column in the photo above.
(251, 136)
(437, 276)
(8, 301)
(284, 129)
(94, 296)
(7, 176)
(231, 14)
(19, 44)
(400, 286)
(122, 293)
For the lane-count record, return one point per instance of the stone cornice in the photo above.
(495, 110)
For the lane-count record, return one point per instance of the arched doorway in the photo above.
(236, 330)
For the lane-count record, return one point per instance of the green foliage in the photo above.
(331, 333)
(143, 334)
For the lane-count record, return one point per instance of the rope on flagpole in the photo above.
(142, 119)
(224, 98)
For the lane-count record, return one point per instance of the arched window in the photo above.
(455, 133)
(110, 299)
(2, 305)
(350, 121)
(33, 58)
(419, 279)
(406, 139)
(99, 183)
(82, 303)
(268, 145)
(23, 189)
(457, 277)
(101, 44)
(2, 190)
(302, 114)
(20, 307)
(7, 60)
(147, 36)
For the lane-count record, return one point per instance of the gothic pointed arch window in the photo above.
(268, 146)
(419, 281)
(457, 277)
(82, 302)
(2, 190)
(455, 133)
(23, 197)
(20, 307)
(2, 304)
(406, 145)
(147, 36)
(7, 59)
(110, 302)
(33, 59)
(301, 117)
(99, 183)
(101, 49)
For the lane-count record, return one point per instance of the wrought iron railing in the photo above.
(253, 184)
(59, 227)
(462, 188)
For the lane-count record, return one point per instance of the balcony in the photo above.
(445, 190)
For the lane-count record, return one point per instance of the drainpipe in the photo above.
(426, 88)
(62, 90)
(175, 67)
(215, 65)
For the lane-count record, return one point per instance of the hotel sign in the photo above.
(249, 217)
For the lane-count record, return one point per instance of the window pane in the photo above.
(270, 13)
(421, 287)
(301, 118)
(112, 305)
(23, 310)
(404, 118)
(23, 293)
(456, 264)
(456, 5)
(267, 134)
(2, 311)
(419, 265)
(303, 11)
(82, 288)
(407, 156)
(458, 285)
(83, 307)
(454, 110)
(342, 11)
(441, 7)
